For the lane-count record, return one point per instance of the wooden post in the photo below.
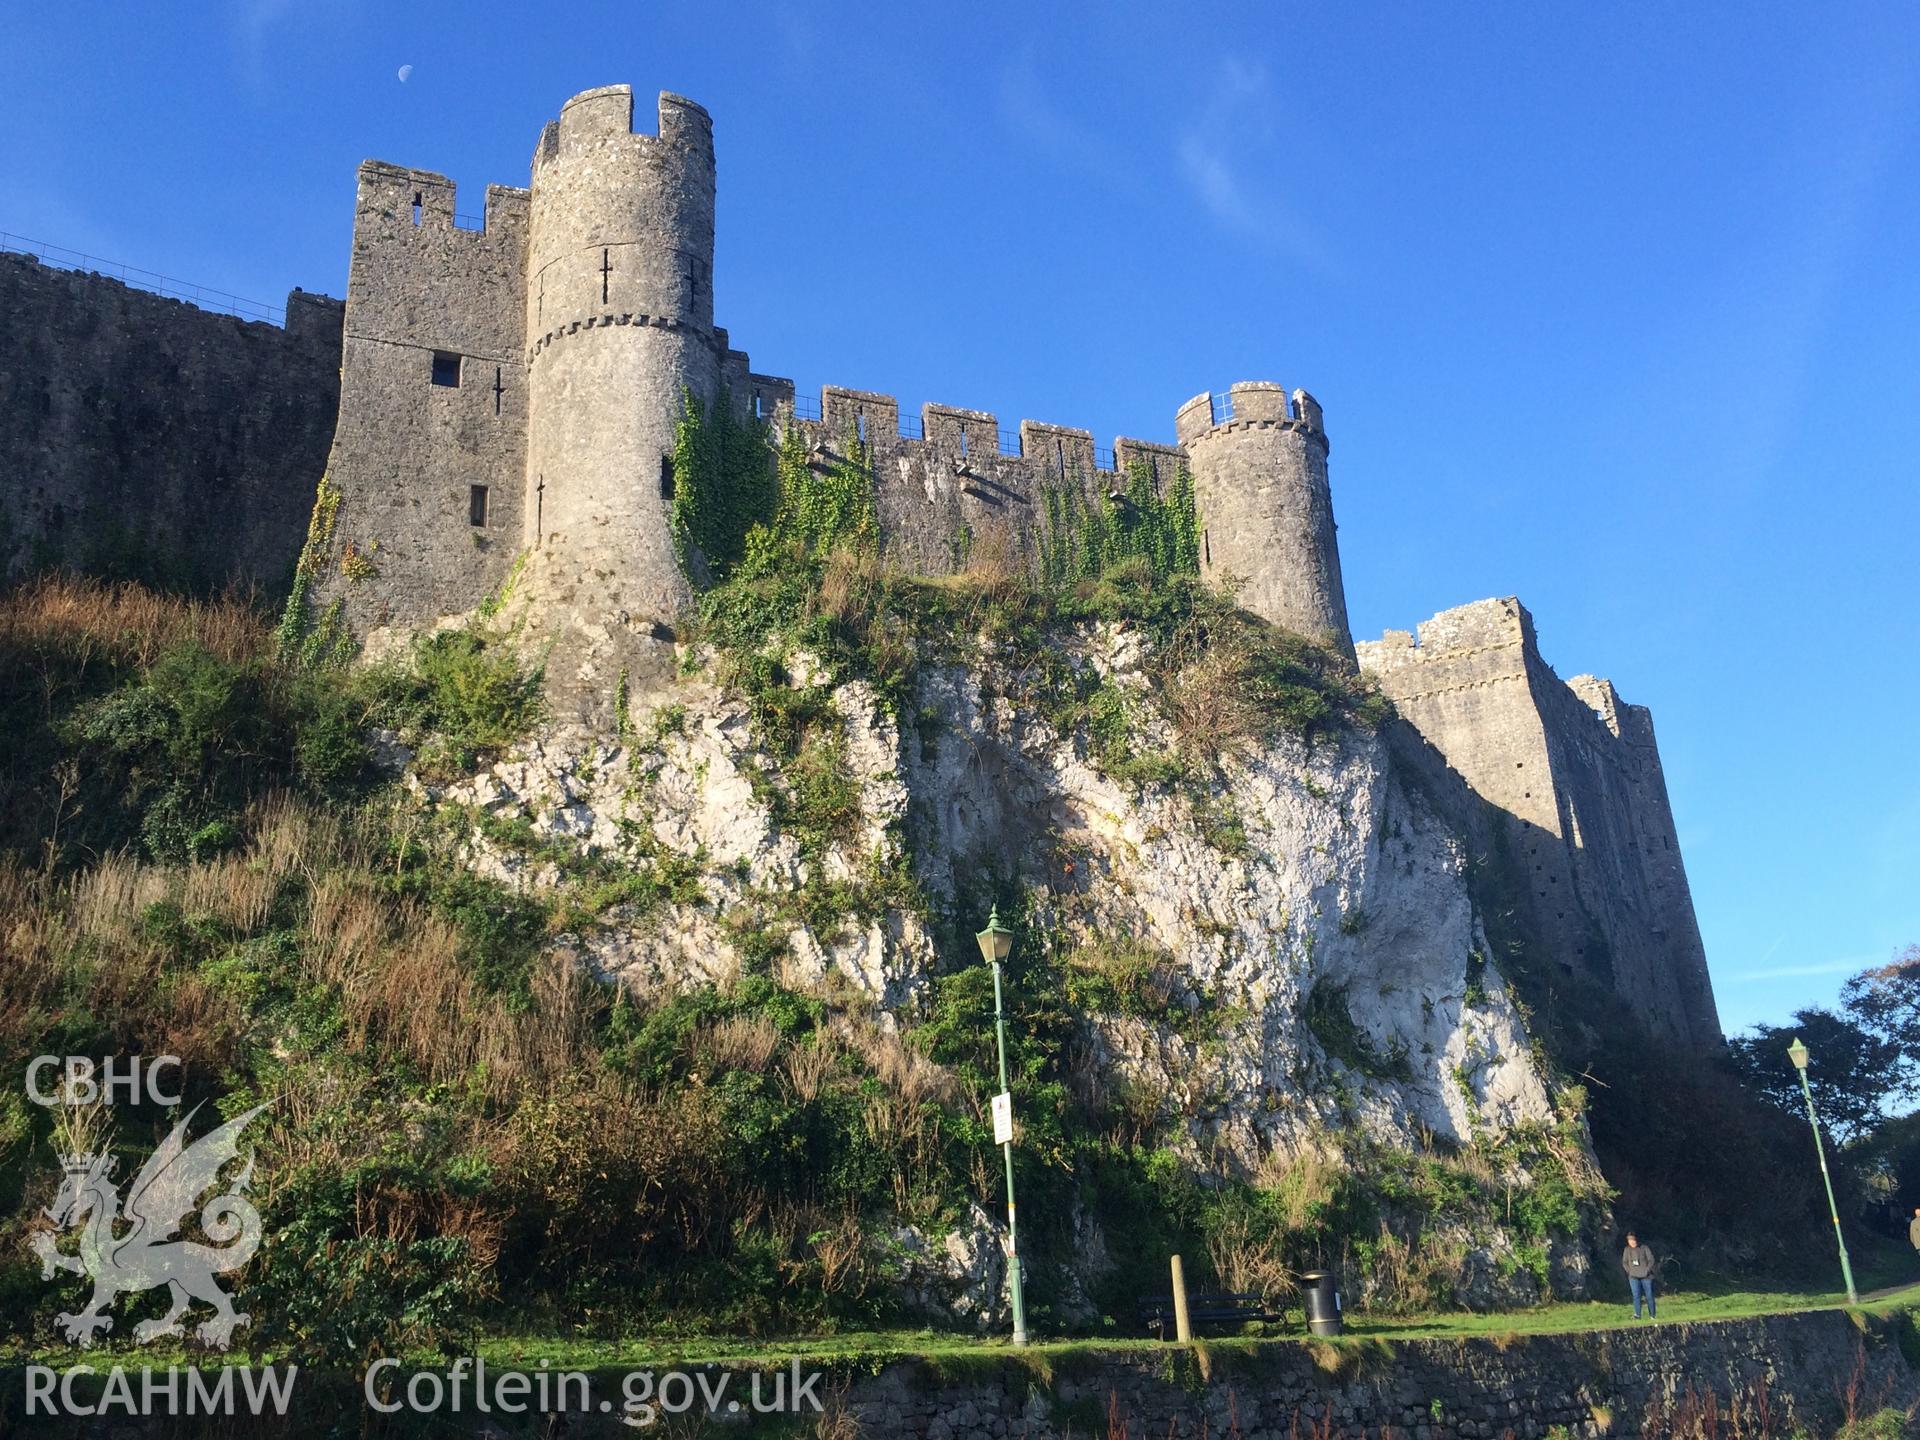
(1182, 1326)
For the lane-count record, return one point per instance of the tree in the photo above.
(1851, 1072)
(1886, 1003)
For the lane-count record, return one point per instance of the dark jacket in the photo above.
(1637, 1261)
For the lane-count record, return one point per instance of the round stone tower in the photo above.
(619, 321)
(1259, 464)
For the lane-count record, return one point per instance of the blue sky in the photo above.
(1612, 307)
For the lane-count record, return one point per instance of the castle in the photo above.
(514, 390)
(508, 397)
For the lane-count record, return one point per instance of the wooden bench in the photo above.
(1218, 1308)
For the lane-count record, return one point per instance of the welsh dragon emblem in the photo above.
(144, 1254)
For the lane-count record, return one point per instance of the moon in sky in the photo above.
(405, 71)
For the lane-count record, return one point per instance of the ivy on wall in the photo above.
(826, 497)
(736, 496)
(298, 638)
(1081, 539)
(723, 485)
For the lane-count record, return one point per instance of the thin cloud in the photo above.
(1231, 157)
(252, 22)
(796, 35)
(1216, 183)
(1027, 108)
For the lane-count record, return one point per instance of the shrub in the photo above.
(460, 694)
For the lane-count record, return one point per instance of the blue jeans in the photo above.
(1642, 1287)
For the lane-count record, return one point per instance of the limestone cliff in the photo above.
(1312, 973)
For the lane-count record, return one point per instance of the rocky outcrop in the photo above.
(1313, 967)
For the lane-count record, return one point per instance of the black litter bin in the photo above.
(1320, 1289)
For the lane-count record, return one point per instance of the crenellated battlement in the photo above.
(1247, 405)
(1057, 450)
(399, 200)
(595, 119)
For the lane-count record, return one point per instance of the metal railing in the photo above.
(469, 222)
(204, 296)
(1220, 404)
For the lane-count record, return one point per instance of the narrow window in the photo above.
(476, 505)
(446, 368)
(498, 389)
(1060, 454)
(666, 477)
(963, 442)
(759, 409)
(1206, 547)
(860, 424)
(416, 207)
(606, 272)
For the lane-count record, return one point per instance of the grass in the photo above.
(879, 1346)
(1680, 1307)
(869, 1350)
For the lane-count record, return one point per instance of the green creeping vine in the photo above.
(297, 639)
(1082, 539)
(825, 500)
(723, 486)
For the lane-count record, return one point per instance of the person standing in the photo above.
(1913, 1228)
(1637, 1260)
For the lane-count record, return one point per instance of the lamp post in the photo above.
(1797, 1052)
(996, 943)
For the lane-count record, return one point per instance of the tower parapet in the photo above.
(1259, 462)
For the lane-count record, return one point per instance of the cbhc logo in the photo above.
(82, 1081)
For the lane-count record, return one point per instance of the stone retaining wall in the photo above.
(1782, 1375)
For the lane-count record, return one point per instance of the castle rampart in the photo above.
(1578, 775)
(143, 437)
(953, 479)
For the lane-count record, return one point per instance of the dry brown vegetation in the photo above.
(127, 622)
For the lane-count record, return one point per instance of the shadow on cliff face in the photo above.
(1701, 1167)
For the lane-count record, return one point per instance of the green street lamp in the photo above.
(996, 943)
(1797, 1052)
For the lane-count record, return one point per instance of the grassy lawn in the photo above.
(876, 1347)
(868, 1350)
